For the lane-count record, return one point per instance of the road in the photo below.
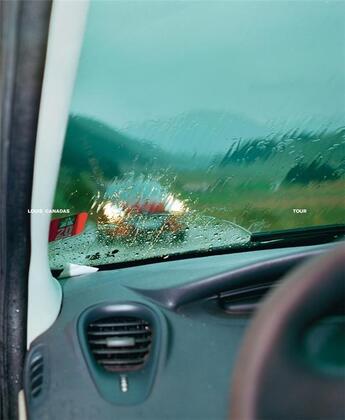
(202, 233)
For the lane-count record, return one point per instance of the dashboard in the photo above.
(155, 341)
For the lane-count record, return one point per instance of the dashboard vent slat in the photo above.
(111, 332)
(121, 351)
(120, 344)
(121, 362)
(116, 324)
(36, 372)
(104, 341)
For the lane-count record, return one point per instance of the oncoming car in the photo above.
(138, 208)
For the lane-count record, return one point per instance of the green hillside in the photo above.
(94, 154)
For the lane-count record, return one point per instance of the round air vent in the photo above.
(120, 344)
(124, 345)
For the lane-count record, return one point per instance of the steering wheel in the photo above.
(272, 380)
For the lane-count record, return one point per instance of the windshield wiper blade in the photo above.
(258, 241)
(319, 234)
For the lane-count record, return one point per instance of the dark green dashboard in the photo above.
(195, 340)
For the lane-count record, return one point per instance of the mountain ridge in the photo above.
(198, 132)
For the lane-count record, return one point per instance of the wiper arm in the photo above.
(307, 235)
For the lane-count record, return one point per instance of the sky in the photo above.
(274, 62)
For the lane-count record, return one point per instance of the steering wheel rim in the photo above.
(270, 380)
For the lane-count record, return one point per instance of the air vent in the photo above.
(36, 370)
(120, 343)
(245, 301)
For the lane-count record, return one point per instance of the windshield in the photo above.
(194, 123)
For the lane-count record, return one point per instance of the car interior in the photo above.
(189, 338)
(251, 331)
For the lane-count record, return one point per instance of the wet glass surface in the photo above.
(192, 123)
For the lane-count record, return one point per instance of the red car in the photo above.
(139, 208)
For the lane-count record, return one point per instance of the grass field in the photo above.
(260, 209)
